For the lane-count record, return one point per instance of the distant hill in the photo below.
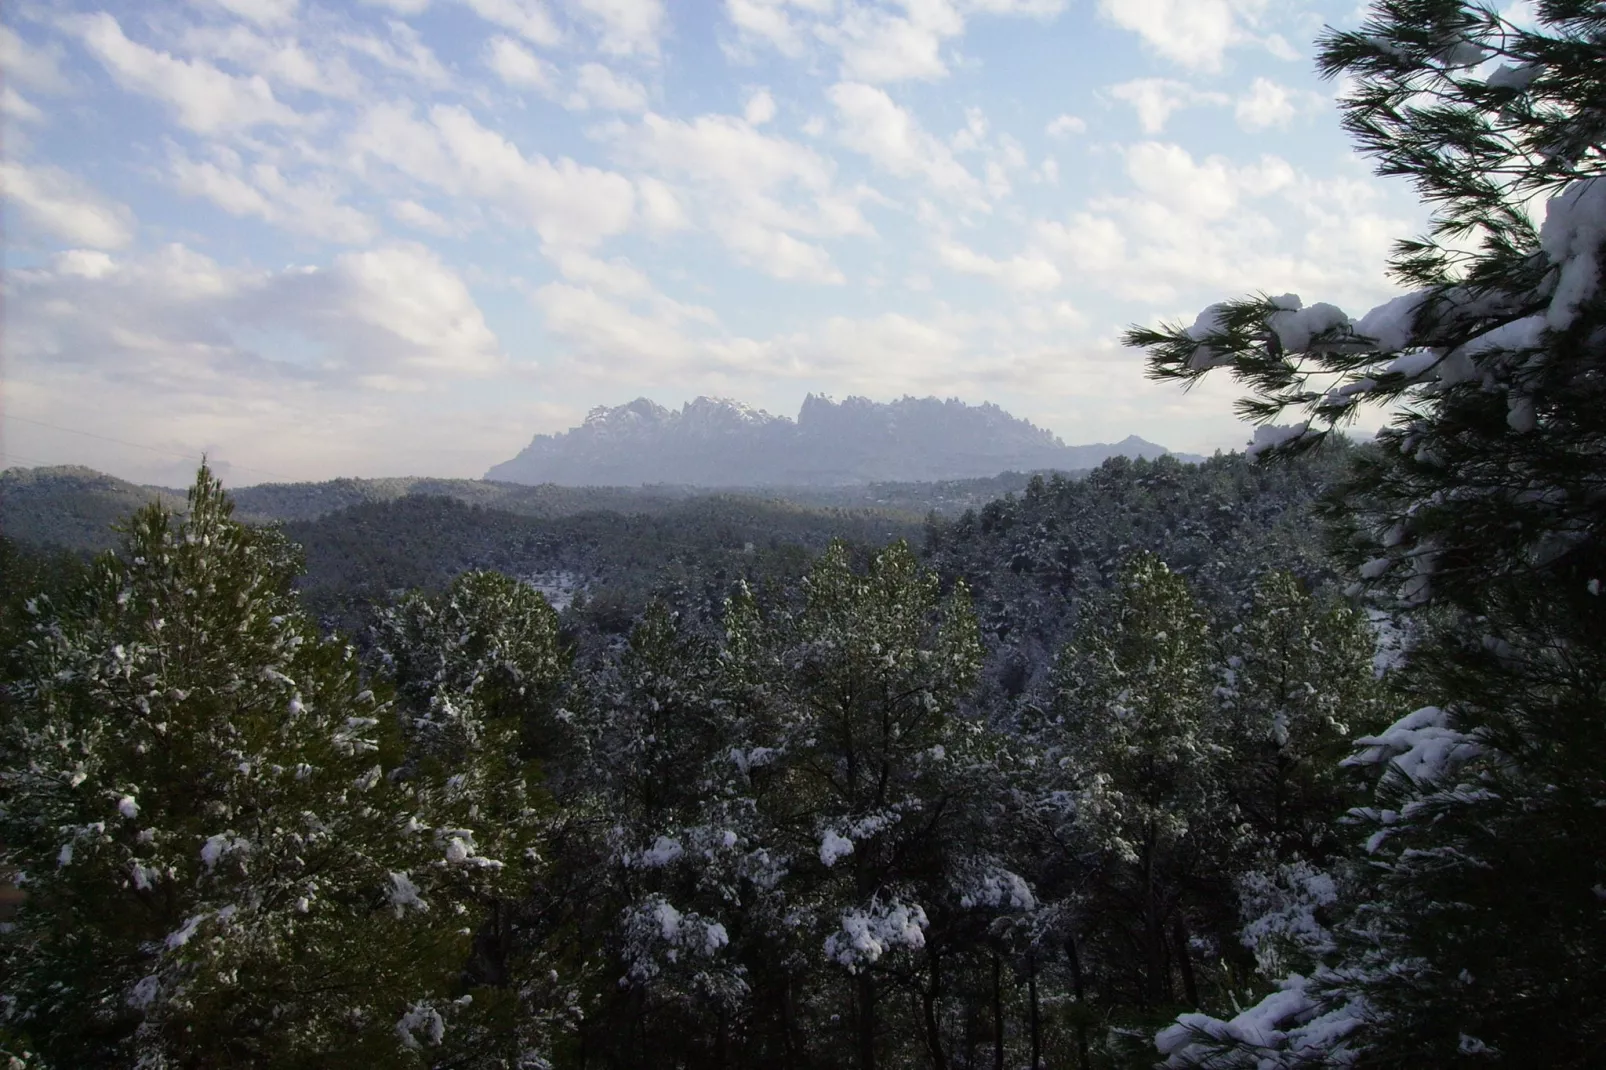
(713, 442)
(71, 506)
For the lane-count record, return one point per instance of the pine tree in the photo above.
(1481, 511)
(875, 766)
(1300, 682)
(219, 868)
(477, 671)
(1137, 755)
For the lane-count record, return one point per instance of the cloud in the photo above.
(870, 122)
(175, 319)
(403, 296)
(660, 207)
(1193, 33)
(517, 66)
(282, 61)
(1212, 226)
(262, 191)
(54, 202)
(1062, 126)
(611, 319)
(1267, 104)
(1154, 99)
(262, 12)
(760, 108)
(15, 106)
(418, 217)
(400, 7)
(599, 87)
(623, 27)
(878, 46)
(366, 366)
(404, 53)
(203, 98)
(35, 66)
(1028, 272)
(530, 19)
(873, 43)
(757, 192)
(566, 203)
(767, 22)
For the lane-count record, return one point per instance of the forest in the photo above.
(1287, 759)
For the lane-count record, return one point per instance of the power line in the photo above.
(139, 445)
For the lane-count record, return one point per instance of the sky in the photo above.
(400, 237)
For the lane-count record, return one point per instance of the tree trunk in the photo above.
(866, 1021)
(998, 1013)
(929, 998)
(1190, 986)
(1035, 1020)
(1080, 993)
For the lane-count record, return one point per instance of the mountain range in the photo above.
(716, 442)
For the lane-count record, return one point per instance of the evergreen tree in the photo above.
(1136, 750)
(1482, 936)
(876, 768)
(219, 869)
(477, 671)
(1300, 681)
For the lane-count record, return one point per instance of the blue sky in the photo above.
(401, 236)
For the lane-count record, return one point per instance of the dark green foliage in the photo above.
(218, 871)
(1473, 931)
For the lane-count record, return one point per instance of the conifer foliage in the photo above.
(219, 867)
(1480, 931)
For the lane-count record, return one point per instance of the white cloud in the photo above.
(781, 255)
(605, 333)
(596, 86)
(403, 294)
(1267, 104)
(874, 42)
(1154, 99)
(871, 123)
(1062, 126)
(757, 192)
(175, 319)
(1212, 227)
(417, 216)
(349, 369)
(760, 108)
(405, 53)
(566, 203)
(617, 276)
(1193, 33)
(879, 46)
(262, 191)
(55, 202)
(767, 22)
(660, 207)
(15, 106)
(400, 7)
(262, 12)
(530, 19)
(517, 66)
(29, 64)
(1024, 272)
(623, 27)
(205, 99)
(282, 61)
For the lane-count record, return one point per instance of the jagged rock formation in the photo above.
(719, 443)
